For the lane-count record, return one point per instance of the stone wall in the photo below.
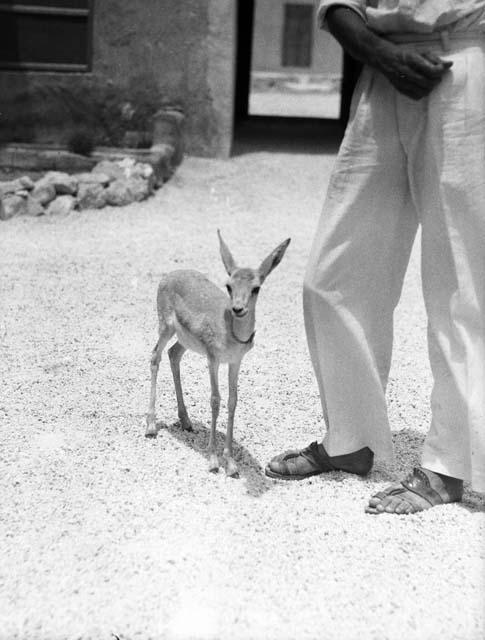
(146, 53)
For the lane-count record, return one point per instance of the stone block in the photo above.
(123, 192)
(91, 196)
(110, 169)
(139, 187)
(11, 206)
(44, 191)
(27, 183)
(62, 205)
(34, 208)
(13, 186)
(145, 171)
(64, 183)
(127, 165)
(93, 178)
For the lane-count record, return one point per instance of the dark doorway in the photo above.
(295, 49)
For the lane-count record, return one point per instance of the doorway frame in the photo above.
(245, 12)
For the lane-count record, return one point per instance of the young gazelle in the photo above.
(204, 320)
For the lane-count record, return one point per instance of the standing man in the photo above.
(413, 153)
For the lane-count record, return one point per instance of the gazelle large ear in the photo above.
(226, 255)
(273, 259)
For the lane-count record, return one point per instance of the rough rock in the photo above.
(126, 191)
(118, 193)
(63, 182)
(93, 178)
(12, 186)
(91, 196)
(110, 169)
(133, 169)
(142, 170)
(34, 208)
(62, 205)
(127, 165)
(140, 188)
(27, 183)
(118, 182)
(44, 191)
(145, 171)
(12, 205)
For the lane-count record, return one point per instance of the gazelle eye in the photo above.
(229, 290)
(255, 291)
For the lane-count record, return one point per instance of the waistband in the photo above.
(443, 37)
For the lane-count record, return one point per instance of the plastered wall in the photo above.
(169, 51)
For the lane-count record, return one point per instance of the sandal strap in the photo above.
(418, 482)
(317, 456)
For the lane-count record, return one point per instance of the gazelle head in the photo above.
(243, 283)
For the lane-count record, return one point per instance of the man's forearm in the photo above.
(413, 73)
(355, 36)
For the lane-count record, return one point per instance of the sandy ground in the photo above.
(106, 534)
(301, 105)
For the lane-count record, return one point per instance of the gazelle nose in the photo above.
(238, 310)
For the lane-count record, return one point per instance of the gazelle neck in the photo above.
(242, 329)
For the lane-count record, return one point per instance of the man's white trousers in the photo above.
(404, 163)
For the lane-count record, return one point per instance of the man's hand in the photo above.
(413, 73)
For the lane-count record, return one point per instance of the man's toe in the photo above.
(276, 466)
(403, 507)
(392, 504)
(374, 501)
(381, 498)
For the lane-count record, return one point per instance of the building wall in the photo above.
(268, 41)
(180, 53)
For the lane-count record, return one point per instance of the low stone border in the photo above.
(115, 182)
(107, 176)
(116, 177)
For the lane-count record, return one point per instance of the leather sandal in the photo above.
(415, 494)
(298, 464)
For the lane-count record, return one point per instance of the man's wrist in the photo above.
(380, 51)
(357, 39)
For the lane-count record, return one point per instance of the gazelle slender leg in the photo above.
(164, 337)
(231, 466)
(215, 404)
(175, 354)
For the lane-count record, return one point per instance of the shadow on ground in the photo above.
(250, 469)
(287, 135)
(407, 443)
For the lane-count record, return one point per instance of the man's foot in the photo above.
(421, 489)
(298, 464)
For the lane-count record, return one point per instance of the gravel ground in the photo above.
(106, 534)
(301, 105)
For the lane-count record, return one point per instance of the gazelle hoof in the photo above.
(186, 424)
(213, 464)
(151, 430)
(232, 470)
